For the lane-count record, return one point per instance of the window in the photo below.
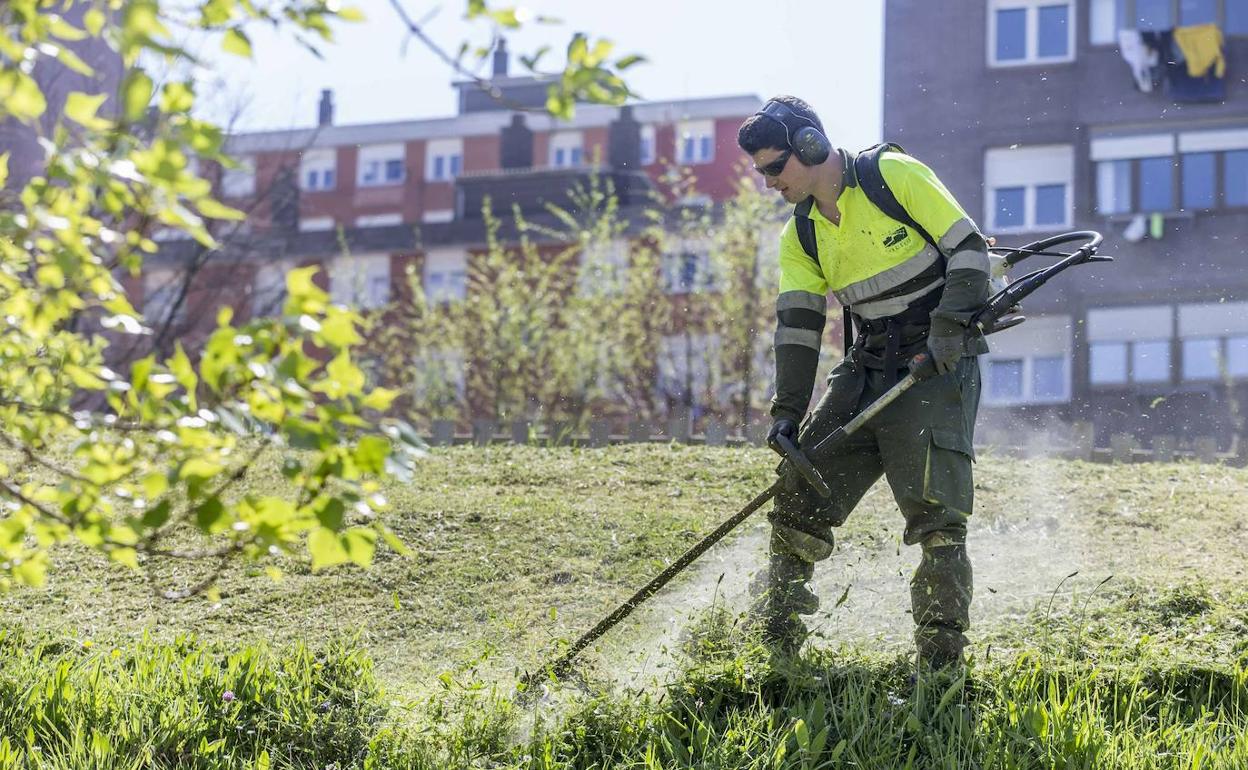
(1235, 174)
(1202, 358)
(1154, 14)
(688, 270)
(1030, 31)
(1150, 361)
(239, 182)
(1113, 186)
(1029, 364)
(318, 170)
(1005, 380)
(1215, 340)
(604, 268)
(1108, 364)
(360, 281)
(1109, 16)
(695, 142)
(380, 165)
(1193, 12)
(566, 149)
(649, 146)
(268, 289)
(1130, 344)
(444, 159)
(1029, 187)
(446, 275)
(1198, 180)
(689, 369)
(1156, 184)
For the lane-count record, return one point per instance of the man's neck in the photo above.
(828, 187)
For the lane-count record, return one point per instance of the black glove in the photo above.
(945, 344)
(783, 426)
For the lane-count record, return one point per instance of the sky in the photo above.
(828, 52)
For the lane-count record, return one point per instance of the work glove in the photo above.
(783, 426)
(945, 347)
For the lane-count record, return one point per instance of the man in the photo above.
(907, 295)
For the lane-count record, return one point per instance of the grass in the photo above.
(517, 548)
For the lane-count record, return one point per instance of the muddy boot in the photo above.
(940, 596)
(786, 596)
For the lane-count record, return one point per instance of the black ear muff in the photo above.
(805, 139)
(810, 146)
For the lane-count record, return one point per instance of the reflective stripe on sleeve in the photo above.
(802, 300)
(808, 338)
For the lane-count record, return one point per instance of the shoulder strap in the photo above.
(806, 229)
(874, 186)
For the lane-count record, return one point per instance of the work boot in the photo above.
(940, 597)
(785, 597)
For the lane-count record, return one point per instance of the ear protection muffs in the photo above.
(806, 141)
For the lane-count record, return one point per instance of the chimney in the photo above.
(500, 59)
(325, 111)
(516, 145)
(624, 141)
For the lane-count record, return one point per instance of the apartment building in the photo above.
(369, 202)
(1056, 115)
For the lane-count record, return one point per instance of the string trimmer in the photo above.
(1000, 312)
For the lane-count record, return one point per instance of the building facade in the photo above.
(1129, 117)
(373, 203)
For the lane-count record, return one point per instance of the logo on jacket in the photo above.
(895, 237)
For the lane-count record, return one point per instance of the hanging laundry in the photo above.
(1181, 86)
(1202, 47)
(1141, 58)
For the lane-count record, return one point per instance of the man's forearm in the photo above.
(800, 319)
(966, 282)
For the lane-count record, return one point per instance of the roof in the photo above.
(485, 123)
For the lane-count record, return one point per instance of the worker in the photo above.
(910, 279)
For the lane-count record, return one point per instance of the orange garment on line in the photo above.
(1202, 46)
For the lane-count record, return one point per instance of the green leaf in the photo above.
(4, 168)
(176, 97)
(392, 540)
(211, 517)
(93, 20)
(213, 209)
(331, 513)
(237, 43)
(360, 544)
(628, 61)
(136, 94)
(351, 13)
(82, 108)
(126, 556)
(184, 373)
(20, 96)
(371, 453)
(380, 399)
(325, 548)
(338, 328)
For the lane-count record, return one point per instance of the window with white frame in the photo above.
(444, 159)
(695, 142)
(566, 149)
(1214, 341)
(603, 268)
(1189, 171)
(1030, 363)
(381, 164)
(649, 145)
(1130, 345)
(687, 269)
(240, 181)
(1029, 188)
(318, 170)
(1030, 31)
(689, 369)
(361, 281)
(268, 289)
(1109, 16)
(445, 275)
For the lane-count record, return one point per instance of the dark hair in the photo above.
(761, 132)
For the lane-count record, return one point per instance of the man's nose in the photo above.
(772, 182)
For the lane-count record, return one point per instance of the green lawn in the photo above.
(515, 548)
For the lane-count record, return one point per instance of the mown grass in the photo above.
(1146, 670)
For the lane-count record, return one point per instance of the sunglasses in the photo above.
(776, 166)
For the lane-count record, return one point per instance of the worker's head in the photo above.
(786, 143)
